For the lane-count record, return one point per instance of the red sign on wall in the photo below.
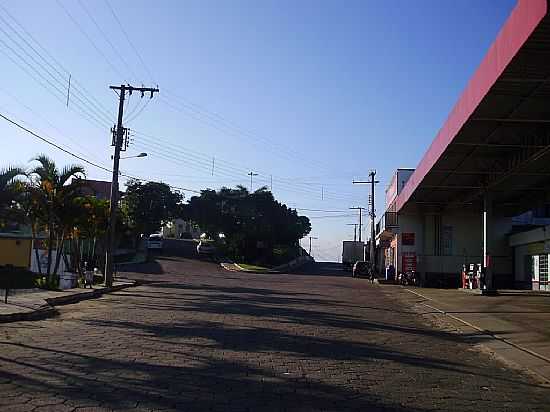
(409, 261)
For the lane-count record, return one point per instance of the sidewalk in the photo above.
(39, 304)
(517, 323)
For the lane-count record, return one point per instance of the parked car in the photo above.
(206, 248)
(361, 268)
(155, 242)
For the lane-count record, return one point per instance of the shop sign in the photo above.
(407, 239)
(409, 261)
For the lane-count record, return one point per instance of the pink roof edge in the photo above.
(523, 20)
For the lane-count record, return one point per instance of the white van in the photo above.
(155, 242)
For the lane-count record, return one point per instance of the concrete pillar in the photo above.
(488, 244)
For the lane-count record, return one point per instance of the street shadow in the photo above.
(320, 269)
(151, 267)
(205, 384)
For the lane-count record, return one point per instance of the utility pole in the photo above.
(310, 239)
(120, 136)
(354, 230)
(372, 213)
(251, 174)
(360, 219)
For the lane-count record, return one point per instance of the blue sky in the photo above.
(313, 93)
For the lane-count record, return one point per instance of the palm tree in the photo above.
(9, 189)
(52, 194)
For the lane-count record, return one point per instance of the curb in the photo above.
(241, 269)
(234, 267)
(91, 294)
(47, 310)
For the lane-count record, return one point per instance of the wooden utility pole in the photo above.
(310, 239)
(354, 230)
(118, 143)
(360, 219)
(372, 213)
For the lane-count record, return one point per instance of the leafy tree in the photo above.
(149, 205)
(253, 223)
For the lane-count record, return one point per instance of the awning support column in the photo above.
(488, 245)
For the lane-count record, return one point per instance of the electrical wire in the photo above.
(197, 109)
(161, 144)
(136, 115)
(107, 40)
(44, 118)
(57, 66)
(121, 26)
(51, 143)
(91, 41)
(53, 84)
(82, 158)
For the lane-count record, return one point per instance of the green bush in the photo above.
(43, 282)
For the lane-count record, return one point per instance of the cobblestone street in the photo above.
(195, 337)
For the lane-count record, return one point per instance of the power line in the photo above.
(192, 106)
(30, 109)
(89, 117)
(227, 128)
(77, 87)
(135, 116)
(211, 116)
(106, 38)
(13, 122)
(203, 165)
(206, 161)
(56, 89)
(121, 26)
(97, 49)
(83, 159)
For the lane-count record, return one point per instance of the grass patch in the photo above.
(255, 268)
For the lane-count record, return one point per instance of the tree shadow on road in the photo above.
(78, 380)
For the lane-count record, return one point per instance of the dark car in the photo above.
(361, 268)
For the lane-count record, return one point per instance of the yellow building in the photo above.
(15, 250)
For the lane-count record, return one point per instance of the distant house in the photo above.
(179, 228)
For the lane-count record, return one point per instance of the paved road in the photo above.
(199, 338)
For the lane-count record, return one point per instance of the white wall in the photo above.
(466, 242)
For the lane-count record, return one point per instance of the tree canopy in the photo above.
(253, 223)
(149, 205)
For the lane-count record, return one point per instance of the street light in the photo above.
(142, 154)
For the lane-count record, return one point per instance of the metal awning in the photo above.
(497, 137)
